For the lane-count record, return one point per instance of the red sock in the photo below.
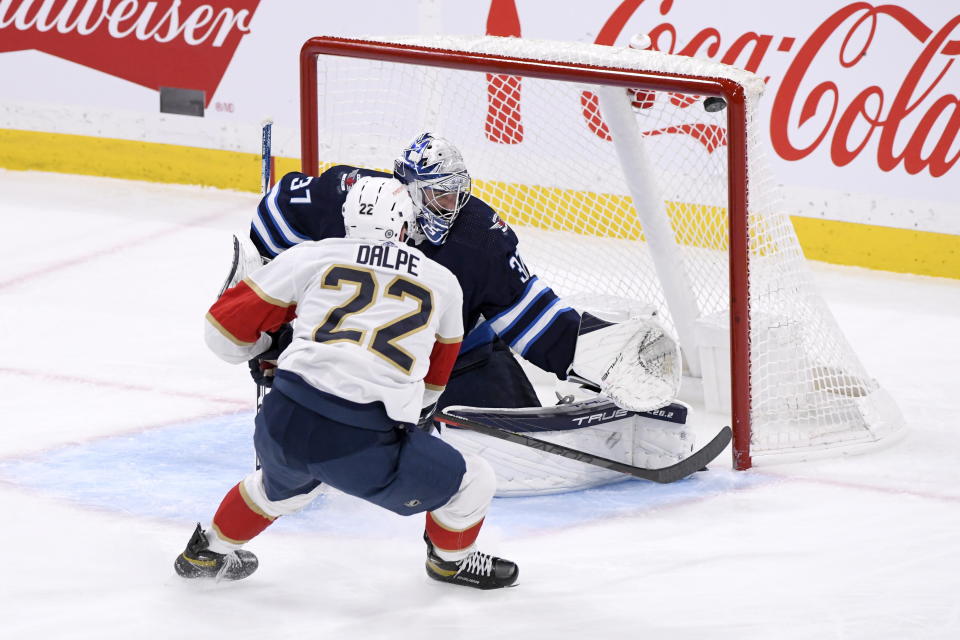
(450, 540)
(238, 519)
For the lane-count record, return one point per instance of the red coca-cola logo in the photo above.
(913, 127)
(179, 43)
(926, 146)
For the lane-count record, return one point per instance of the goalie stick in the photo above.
(695, 462)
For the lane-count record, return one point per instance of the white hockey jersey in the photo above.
(372, 322)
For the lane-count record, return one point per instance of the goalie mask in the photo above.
(377, 209)
(438, 182)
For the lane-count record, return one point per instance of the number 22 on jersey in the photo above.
(383, 338)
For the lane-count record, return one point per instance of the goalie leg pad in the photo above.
(658, 443)
(651, 440)
(523, 471)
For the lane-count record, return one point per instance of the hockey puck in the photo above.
(713, 104)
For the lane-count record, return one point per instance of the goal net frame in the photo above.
(737, 119)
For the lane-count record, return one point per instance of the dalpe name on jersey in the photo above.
(388, 256)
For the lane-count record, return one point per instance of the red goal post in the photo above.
(587, 65)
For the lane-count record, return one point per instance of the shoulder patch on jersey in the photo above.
(348, 179)
(498, 223)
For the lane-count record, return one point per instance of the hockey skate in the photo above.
(478, 570)
(197, 561)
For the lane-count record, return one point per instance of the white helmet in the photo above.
(377, 209)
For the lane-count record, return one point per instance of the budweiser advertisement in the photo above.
(180, 43)
(861, 96)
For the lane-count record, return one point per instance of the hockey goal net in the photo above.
(632, 178)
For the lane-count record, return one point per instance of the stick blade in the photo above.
(688, 466)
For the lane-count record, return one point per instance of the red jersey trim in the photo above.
(245, 311)
(442, 357)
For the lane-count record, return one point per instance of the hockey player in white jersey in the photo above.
(376, 329)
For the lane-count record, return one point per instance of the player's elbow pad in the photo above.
(229, 350)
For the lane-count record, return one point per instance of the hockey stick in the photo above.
(266, 182)
(266, 174)
(695, 462)
(233, 267)
(266, 159)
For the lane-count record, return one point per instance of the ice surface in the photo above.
(119, 430)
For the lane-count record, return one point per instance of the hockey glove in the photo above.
(426, 423)
(264, 365)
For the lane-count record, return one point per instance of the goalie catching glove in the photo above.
(635, 363)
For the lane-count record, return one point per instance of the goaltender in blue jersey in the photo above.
(505, 305)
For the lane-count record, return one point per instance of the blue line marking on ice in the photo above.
(181, 473)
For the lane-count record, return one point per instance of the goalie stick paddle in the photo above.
(695, 462)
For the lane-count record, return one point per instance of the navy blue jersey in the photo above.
(500, 296)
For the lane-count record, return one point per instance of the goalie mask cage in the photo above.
(625, 190)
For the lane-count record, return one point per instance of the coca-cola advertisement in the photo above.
(860, 114)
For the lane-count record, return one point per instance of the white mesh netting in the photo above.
(540, 152)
